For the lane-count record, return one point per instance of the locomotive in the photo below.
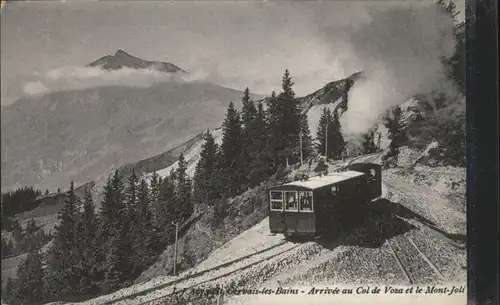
(314, 206)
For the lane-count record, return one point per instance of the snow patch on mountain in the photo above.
(192, 156)
(314, 114)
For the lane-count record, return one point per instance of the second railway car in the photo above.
(314, 206)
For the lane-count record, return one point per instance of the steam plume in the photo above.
(400, 52)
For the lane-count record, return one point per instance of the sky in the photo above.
(234, 44)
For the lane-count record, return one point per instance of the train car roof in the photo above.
(330, 179)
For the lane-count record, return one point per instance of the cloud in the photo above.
(400, 52)
(35, 88)
(73, 77)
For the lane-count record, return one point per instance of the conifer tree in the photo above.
(117, 265)
(167, 211)
(62, 280)
(249, 134)
(113, 210)
(368, 143)
(286, 86)
(131, 192)
(183, 191)
(30, 282)
(307, 141)
(87, 265)
(395, 129)
(155, 187)
(114, 234)
(231, 149)
(119, 199)
(204, 188)
(338, 138)
(9, 293)
(322, 132)
(261, 160)
(284, 123)
(144, 236)
(329, 135)
(248, 114)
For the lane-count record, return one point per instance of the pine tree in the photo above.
(114, 234)
(248, 114)
(30, 282)
(232, 153)
(10, 291)
(368, 143)
(116, 266)
(155, 187)
(204, 190)
(167, 211)
(107, 213)
(183, 191)
(143, 241)
(249, 134)
(63, 282)
(305, 134)
(323, 131)
(131, 192)
(113, 207)
(329, 135)
(395, 129)
(261, 165)
(290, 118)
(286, 86)
(338, 139)
(119, 200)
(284, 123)
(87, 264)
(132, 229)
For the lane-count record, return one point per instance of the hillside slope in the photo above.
(82, 135)
(414, 216)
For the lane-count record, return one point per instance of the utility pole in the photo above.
(301, 153)
(175, 246)
(326, 140)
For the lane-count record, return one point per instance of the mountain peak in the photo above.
(122, 59)
(121, 52)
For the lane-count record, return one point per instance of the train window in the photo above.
(291, 201)
(305, 201)
(371, 175)
(335, 190)
(276, 201)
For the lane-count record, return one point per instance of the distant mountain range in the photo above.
(122, 59)
(82, 135)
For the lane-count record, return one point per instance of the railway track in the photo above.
(181, 295)
(413, 263)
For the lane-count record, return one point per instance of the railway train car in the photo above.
(314, 206)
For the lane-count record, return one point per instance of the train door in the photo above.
(373, 178)
(375, 182)
(331, 201)
(276, 219)
(291, 212)
(306, 216)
